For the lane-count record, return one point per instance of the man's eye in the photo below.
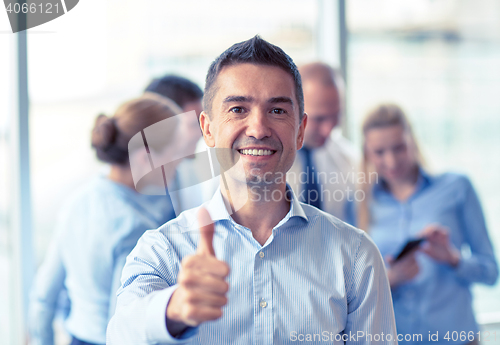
(236, 110)
(278, 111)
(400, 148)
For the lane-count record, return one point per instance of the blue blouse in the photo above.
(96, 230)
(438, 299)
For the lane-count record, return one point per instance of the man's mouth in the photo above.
(256, 152)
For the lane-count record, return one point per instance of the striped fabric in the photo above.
(315, 280)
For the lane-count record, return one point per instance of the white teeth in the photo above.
(257, 152)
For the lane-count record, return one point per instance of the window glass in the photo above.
(7, 300)
(102, 53)
(439, 60)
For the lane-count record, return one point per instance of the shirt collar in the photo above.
(218, 209)
(296, 209)
(424, 179)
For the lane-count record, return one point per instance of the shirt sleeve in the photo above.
(481, 265)
(48, 284)
(370, 318)
(148, 282)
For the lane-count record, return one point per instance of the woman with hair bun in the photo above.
(431, 283)
(99, 226)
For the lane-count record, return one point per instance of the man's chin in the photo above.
(265, 178)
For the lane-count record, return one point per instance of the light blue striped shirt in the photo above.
(315, 280)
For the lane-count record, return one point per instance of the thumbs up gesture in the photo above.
(201, 291)
(207, 229)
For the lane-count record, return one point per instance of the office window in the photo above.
(103, 53)
(439, 60)
(7, 270)
(89, 61)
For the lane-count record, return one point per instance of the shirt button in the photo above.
(263, 304)
(261, 255)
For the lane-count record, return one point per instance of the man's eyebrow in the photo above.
(281, 99)
(231, 99)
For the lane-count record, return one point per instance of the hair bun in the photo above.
(104, 132)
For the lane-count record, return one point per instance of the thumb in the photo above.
(207, 230)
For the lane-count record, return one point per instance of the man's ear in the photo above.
(300, 135)
(206, 128)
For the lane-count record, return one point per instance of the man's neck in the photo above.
(257, 207)
(121, 175)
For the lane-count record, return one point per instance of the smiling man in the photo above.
(272, 270)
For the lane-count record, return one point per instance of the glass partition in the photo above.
(441, 63)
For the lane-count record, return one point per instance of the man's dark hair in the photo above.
(255, 51)
(178, 89)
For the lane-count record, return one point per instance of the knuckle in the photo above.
(183, 278)
(187, 279)
(189, 261)
(218, 313)
(189, 297)
(190, 312)
(225, 268)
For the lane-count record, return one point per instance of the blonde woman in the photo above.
(101, 223)
(431, 285)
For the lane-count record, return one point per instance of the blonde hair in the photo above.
(111, 135)
(381, 116)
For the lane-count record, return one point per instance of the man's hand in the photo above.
(438, 245)
(402, 270)
(202, 288)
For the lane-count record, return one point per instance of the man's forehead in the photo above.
(249, 71)
(255, 81)
(315, 94)
(316, 88)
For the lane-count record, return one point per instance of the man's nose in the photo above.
(390, 160)
(258, 125)
(325, 130)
